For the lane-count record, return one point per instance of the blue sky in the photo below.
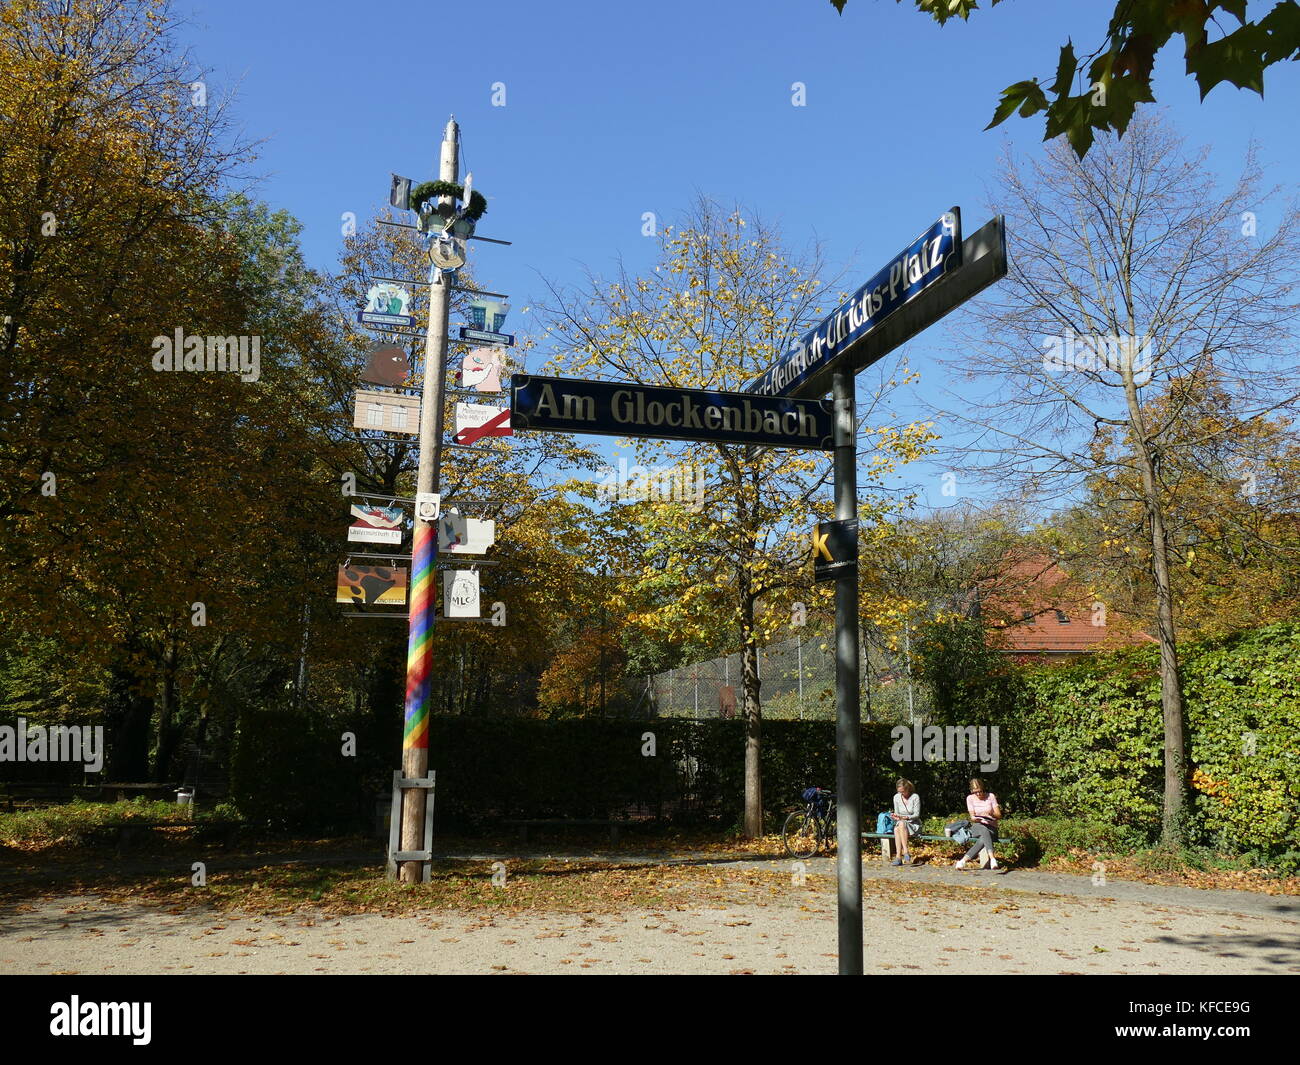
(616, 109)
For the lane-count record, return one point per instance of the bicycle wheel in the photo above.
(801, 835)
(829, 832)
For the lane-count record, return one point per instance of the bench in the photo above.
(887, 843)
(565, 822)
(126, 833)
(21, 795)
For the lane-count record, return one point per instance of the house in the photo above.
(1038, 613)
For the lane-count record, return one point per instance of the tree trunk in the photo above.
(169, 733)
(386, 697)
(130, 716)
(753, 720)
(1171, 686)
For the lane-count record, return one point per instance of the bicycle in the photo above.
(806, 830)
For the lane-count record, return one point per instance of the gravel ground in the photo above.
(1007, 931)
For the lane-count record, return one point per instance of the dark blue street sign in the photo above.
(621, 408)
(805, 367)
(381, 318)
(486, 336)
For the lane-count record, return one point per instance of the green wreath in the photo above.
(429, 191)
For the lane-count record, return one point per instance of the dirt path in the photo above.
(948, 929)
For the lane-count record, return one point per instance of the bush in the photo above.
(77, 822)
(1172, 858)
(1055, 837)
(1088, 739)
(288, 773)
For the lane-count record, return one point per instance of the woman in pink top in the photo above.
(985, 812)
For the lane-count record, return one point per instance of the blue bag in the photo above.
(885, 824)
(959, 831)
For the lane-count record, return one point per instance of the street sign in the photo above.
(486, 336)
(621, 408)
(805, 367)
(377, 318)
(834, 548)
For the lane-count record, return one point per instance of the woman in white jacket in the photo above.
(907, 819)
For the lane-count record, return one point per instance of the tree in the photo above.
(726, 566)
(1129, 270)
(1120, 68)
(162, 526)
(925, 570)
(1230, 489)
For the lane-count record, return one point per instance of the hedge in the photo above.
(1080, 741)
(1089, 738)
(287, 770)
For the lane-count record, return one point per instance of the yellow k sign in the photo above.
(819, 548)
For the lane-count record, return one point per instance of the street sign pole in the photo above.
(415, 733)
(848, 731)
(935, 274)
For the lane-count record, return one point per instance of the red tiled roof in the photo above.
(1038, 587)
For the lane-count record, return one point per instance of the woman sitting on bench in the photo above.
(982, 805)
(907, 819)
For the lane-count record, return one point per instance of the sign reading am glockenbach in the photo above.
(803, 370)
(621, 408)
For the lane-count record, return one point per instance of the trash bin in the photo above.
(185, 799)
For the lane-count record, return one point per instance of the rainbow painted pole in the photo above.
(424, 550)
(419, 659)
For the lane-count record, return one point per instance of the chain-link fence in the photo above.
(796, 681)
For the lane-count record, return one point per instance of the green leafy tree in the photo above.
(724, 566)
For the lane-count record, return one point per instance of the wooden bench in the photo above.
(21, 796)
(566, 822)
(887, 843)
(126, 833)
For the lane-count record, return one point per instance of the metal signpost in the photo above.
(934, 274)
(783, 407)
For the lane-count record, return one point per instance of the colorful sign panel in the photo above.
(459, 535)
(617, 408)
(806, 366)
(481, 370)
(386, 364)
(488, 314)
(371, 585)
(386, 411)
(386, 304)
(474, 421)
(376, 525)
